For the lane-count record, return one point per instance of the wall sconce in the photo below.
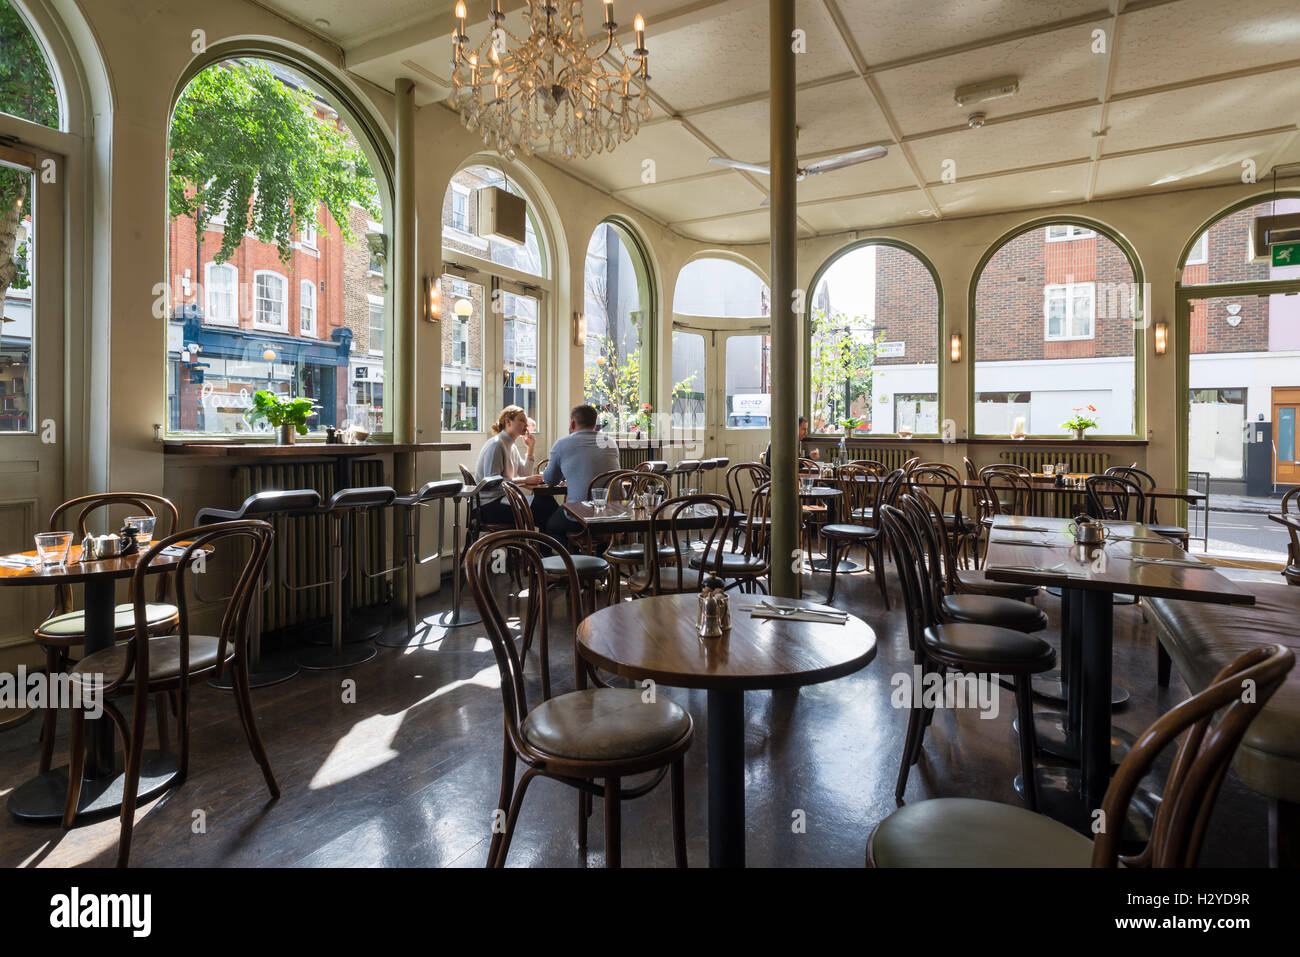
(579, 329)
(432, 299)
(954, 347)
(1162, 337)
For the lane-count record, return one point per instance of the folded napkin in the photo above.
(1023, 541)
(1056, 571)
(1024, 528)
(800, 615)
(1176, 562)
(20, 561)
(1148, 539)
(173, 551)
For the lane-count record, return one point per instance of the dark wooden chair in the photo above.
(742, 567)
(964, 832)
(64, 628)
(625, 551)
(1291, 500)
(860, 504)
(1147, 482)
(146, 665)
(1005, 493)
(1115, 498)
(674, 574)
(938, 643)
(942, 484)
(580, 737)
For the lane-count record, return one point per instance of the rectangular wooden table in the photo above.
(1089, 577)
(617, 517)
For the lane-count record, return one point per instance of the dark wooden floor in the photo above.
(408, 774)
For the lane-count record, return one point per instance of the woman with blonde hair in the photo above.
(499, 457)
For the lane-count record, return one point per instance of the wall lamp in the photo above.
(579, 329)
(432, 299)
(1162, 337)
(954, 347)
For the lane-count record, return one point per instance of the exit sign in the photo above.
(1286, 254)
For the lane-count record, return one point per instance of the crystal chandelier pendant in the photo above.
(556, 91)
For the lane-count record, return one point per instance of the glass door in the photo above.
(722, 389)
(1286, 417)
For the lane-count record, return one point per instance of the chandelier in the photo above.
(555, 88)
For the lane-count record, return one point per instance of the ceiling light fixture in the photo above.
(976, 120)
(552, 91)
(987, 90)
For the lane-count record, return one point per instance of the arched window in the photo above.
(276, 252)
(873, 327)
(488, 272)
(27, 87)
(722, 316)
(1055, 311)
(1243, 348)
(617, 378)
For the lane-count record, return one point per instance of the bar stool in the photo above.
(343, 506)
(653, 465)
(682, 473)
(266, 506)
(720, 464)
(707, 467)
(410, 505)
(455, 618)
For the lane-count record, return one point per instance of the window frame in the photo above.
(283, 325)
(1203, 243)
(209, 268)
(1073, 231)
(371, 301)
(303, 286)
(1068, 289)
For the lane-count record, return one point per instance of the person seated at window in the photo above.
(576, 459)
(521, 451)
(498, 457)
(803, 434)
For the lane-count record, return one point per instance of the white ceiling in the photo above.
(1185, 91)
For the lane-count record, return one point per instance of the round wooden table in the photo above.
(42, 798)
(657, 638)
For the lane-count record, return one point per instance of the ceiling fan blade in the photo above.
(767, 201)
(845, 159)
(736, 164)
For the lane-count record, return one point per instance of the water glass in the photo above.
(1047, 468)
(143, 529)
(1061, 468)
(598, 498)
(52, 547)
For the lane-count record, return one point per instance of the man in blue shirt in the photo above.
(577, 459)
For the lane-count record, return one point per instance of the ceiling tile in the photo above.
(1190, 166)
(743, 228)
(888, 172)
(835, 115)
(1199, 112)
(675, 152)
(726, 57)
(889, 30)
(1013, 191)
(1026, 142)
(1194, 38)
(904, 207)
(707, 196)
(1054, 69)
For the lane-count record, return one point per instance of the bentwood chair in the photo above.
(943, 485)
(860, 503)
(64, 628)
(580, 737)
(964, 832)
(748, 566)
(973, 581)
(1292, 572)
(1115, 498)
(673, 575)
(591, 569)
(625, 551)
(1005, 493)
(739, 484)
(1147, 483)
(147, 665)
(938, 643)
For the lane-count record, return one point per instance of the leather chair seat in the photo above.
(839, 530)
(999, 648)
(374, 496)
(164, 658)
(603, 724)
(667, 578)
(964, 832)
(1202, 638)
(587, 566)
(1169, 531)
(635, 554)
(1292, 574)
(430, 492)
(263, 503)
(73, 624)
(992, 610)
(974, 580)
(733, 563)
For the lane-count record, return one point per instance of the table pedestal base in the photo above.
(1051, 737)
(41, 799)
(1051, 688)
(456, 618)
(726, 778)
(846, 566)
(327, 659)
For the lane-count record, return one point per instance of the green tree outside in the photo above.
(839, 356)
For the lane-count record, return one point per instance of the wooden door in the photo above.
(1286, 438)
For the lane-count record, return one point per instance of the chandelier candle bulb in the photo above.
(639, 25)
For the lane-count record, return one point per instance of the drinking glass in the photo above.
(598, 497)
(1047, 468)
(143, 529)
(1061, 468)
(52, 547)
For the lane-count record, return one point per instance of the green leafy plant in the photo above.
(281, 411)
(843, 367)
(1080, 421)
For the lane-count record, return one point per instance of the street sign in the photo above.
(891, 350)
(1286, 254)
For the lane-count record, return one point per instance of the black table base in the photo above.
(41, 799)
(1052, 737)
(328, 659)
(1051, 687)
(726, 778)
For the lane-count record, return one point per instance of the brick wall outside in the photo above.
(1228, 242)
(907, 307)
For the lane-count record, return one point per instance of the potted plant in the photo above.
(288, 414)
(1080, 422)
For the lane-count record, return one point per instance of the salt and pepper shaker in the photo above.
(715, 610)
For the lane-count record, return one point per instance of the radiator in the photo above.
(891, 457)
(1077, 460)
(306, 541)
(630, 458)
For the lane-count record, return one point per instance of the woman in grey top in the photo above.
(498, 457)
